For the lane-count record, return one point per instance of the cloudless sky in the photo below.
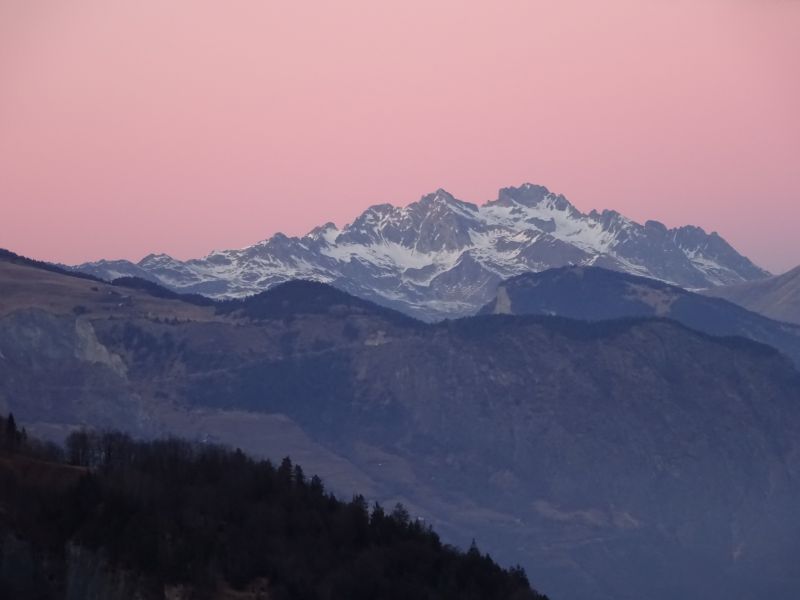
(180, 126)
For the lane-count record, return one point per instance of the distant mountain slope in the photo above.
(776, 297)
(620, 460)
(14, 258)
(287, 300)
(591, 293)
(441, 257)
(154, 289)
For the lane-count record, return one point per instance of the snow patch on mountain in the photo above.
(443, 257)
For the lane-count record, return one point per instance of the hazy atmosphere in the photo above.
(376, 300)
(179, 127)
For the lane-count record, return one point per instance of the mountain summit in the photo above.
(443, 257)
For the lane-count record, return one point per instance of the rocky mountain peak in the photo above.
(442, 257)
(443, 202)
(440, 196)
(156, 260)
(324, 233)
(527, 194)
(655, 225)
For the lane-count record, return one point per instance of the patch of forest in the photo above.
(205, 516)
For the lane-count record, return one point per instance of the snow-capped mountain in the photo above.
(442, 257)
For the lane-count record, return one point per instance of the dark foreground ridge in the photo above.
(204, 522)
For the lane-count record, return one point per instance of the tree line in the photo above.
(197, 514)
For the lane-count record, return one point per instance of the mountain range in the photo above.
(777, 297)
(441, 257)
(596, 294)
(617, 459)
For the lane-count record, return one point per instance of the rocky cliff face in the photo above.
(624, 459)
(442, 257)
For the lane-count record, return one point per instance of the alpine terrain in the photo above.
(442, 257)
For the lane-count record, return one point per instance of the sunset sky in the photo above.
(180, 126)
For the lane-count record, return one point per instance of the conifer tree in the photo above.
(11, 433)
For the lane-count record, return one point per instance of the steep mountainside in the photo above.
(615, 460)
(441, 257)
(776, 297)
(593, 294)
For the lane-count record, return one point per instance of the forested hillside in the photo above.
(202, 519)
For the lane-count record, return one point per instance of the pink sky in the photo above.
(179, 126)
